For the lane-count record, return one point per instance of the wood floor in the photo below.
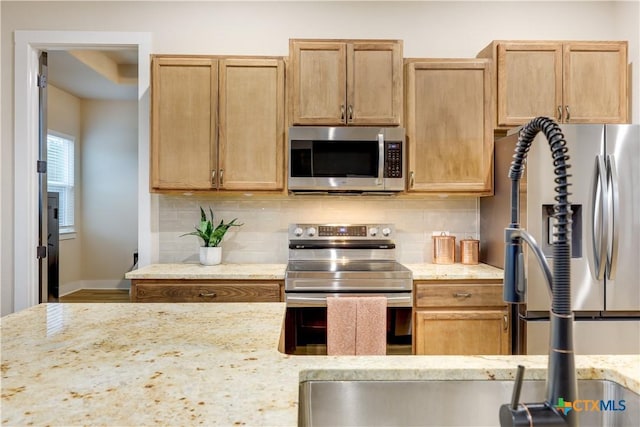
(97, 295)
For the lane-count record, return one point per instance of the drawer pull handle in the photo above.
(505, 318)
(208, 294)
(462, 295)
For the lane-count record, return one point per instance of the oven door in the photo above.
(306, 322)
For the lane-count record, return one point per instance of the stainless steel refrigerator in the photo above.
(605, 264)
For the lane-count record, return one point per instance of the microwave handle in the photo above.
(381, 158)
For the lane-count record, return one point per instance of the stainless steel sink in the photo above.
(448, 403)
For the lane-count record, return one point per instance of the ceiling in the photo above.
(110, 74)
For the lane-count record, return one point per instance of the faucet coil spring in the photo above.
(562, 212)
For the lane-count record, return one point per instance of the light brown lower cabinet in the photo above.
(460, 318)
(150, 290)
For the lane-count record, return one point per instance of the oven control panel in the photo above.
(340, 231)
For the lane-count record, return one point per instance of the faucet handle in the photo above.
(539, 414)
(517, 387)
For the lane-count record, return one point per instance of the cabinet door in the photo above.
(251, 138)
(184, 98)
(595, 83)
(529, 82)
(449, 127)
(374, 83)
(318, 89)
(463, 332)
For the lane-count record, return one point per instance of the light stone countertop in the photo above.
(209, 364)
(276, 271)
(455, 271)
(214, 272)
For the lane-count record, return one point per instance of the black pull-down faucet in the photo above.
(561, 376)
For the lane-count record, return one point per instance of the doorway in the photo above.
(92, 99)
(28, 45)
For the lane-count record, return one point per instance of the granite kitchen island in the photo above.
(201, 364)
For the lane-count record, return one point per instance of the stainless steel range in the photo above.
(343, 260)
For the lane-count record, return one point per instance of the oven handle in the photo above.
(404, 299)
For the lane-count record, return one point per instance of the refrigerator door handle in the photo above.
(613, 207)
(599, 220)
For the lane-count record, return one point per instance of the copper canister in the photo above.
(444, 249)
(469, 249)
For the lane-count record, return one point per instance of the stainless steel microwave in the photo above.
(346, 159)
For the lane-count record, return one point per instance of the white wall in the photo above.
(109, 190)
(3, 294)
(64, 115)
(430, 29)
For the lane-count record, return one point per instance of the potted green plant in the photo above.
(210, 251)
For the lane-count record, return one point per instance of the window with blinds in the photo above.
(60, 176)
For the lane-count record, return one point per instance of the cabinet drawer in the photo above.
(146, 291)
(436, 295)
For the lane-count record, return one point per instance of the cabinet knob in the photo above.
(566, 107)
(204, 294)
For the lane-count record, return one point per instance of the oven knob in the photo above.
(311, 231)
(386, 232)
(373, 231)
(298, 231)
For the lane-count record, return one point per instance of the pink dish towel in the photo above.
(341, 325)
(371, 325)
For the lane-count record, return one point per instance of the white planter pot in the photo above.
(210, 255)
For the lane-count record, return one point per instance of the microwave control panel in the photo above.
(393, 160)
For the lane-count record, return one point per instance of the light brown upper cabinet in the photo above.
(346, 82)
(184, 108)
(251, 131)
(217, 123)
(449, 126)
(573, 82)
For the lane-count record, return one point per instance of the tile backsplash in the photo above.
(263, 237)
